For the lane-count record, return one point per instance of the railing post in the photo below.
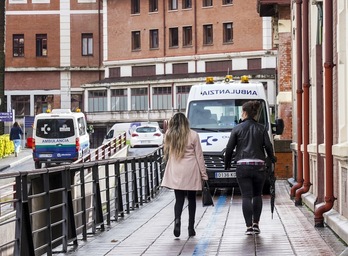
(97, 205)
(107, 196)
(126, 180)
(135, 184)
(24, 240)
(147, 182)
(118, 192)
(83, 203)
(141, 177)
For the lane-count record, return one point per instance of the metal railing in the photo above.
(54, 208)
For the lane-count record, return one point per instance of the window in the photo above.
(162, 98)
(227, 2)
(119, 100)
(207, 3)
(180, 68)
(81, 122)
(149, 70)
(182, 93)
(87, 44)
(139, 99)
(136, 40)
(173, 5)
(173, 37)
(76, 102)
(135, 6)
(97, 100)
(18, 45)
(208, 34)
(187, 36)
(55, 128)
(154, 39)
(254, 64)
(153, 5)
(114, 72)
(228, 32)
(41, 45)
(21, 105)
(186, 4)
(216, 66)
(42, 103)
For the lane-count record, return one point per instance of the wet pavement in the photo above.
(220, 229)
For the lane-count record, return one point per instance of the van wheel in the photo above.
(38, 165)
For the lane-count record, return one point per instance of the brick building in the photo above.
(130, 60)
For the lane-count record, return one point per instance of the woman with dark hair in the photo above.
(251, 140)
(15, 136)
(185, 168)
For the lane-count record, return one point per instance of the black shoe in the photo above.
(177, 224)
(256, 228)
(191, 232)
(249, 231)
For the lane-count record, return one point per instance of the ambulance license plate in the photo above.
(221, 175)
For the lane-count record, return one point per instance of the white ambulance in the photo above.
(213, 109)
(60, 136)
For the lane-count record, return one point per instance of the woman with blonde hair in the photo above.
(185, 168)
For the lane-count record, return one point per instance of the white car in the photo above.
(146, 135)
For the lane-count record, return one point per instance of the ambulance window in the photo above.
(55, 128)
(81, 125)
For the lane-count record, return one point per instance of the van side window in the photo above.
(81, 125)
(55, 128)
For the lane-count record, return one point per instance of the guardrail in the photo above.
(54, 208)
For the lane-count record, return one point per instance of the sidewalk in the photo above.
(220, 231)
(10, 160)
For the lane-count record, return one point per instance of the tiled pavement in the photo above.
(220, 229)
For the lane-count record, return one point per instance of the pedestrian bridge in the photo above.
(55, 207)
(111, 204)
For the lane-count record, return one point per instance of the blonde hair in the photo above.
(175, 140)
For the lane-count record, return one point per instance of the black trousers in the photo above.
(179, 204)
(251, 179)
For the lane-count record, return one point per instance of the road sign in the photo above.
(6, 117)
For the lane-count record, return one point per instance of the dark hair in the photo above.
(251, 108)
(15, 124)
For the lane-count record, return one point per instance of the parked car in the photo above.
(146, 135)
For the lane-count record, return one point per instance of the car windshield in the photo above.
(146, 129)
(55, 128)
(222, 114)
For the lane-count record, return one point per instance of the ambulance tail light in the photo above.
(77, 144)
(33, 145)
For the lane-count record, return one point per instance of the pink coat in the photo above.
(186, 173)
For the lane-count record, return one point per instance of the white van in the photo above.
(128, 128)
(60, 136)
(213, 109)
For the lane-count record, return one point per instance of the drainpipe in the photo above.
(99, 42)
(328, 77)
(306, 85)
(299, 92)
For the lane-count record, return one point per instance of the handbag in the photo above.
(207, 199)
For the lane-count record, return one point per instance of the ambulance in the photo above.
(213, 110)
(60, 136)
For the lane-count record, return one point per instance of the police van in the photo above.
(213, 110)
(60, 136)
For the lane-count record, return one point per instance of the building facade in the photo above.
(320, 131)
(149, 52)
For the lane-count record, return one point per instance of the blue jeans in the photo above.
(251, 179)
(17, 144)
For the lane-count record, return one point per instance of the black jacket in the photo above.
(251, 140)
